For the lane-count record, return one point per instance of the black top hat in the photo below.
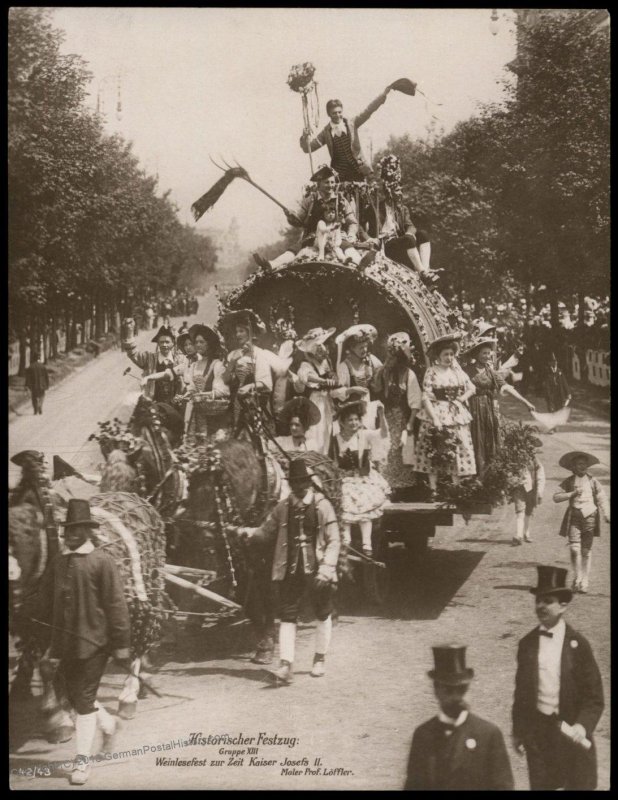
(568, 458)
(323, 173)
(303, 408)
(552, 580)
(78, 513)
(62, 469)
(214, 342)
(163, 331)
(299, 471)
(22, 458)
(450, 665)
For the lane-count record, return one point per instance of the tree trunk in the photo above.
(53, 343)
(22, 353)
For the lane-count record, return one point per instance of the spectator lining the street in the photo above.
(555, 386)
(582, 519)
(37, 381)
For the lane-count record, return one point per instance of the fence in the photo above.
(597, 369)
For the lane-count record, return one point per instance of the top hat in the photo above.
(484, 341)
(323, 173)
(303, 408)
(568, 458)
(214, 342)
(313, 338)
(63, 470)
(299, 471)
(447, 339)
(163, 331)
(244, 316)
(450, 665)
(78, 513)
(22, 458)
(552, 580)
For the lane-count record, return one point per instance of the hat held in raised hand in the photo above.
(552, 580)
(450, 665)
(78, 513)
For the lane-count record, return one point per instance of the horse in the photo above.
(134, 533)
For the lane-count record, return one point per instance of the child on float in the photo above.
(355, 450)
(527, 496)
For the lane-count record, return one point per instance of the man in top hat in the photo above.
(82, 595)
(163, 359)
(582, 519)
(341, 138)
(37, 381)
(456, 750)
(555, 386)
(557, 682)
(312, 210)
(306, 535)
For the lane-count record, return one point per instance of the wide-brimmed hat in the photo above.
(63, 469)
(303, 408)
(214, 342)
(355, 399)
(450, 665)
(482, 328)
(164, 331)
(182, 339)
(244, 316)
(78, 513)
(323, 173)
(568, 458)
(552, 580)
(299, 471)
(25, 456)
(360, 332)
(313, 338)
(447, 339)
(477, 344)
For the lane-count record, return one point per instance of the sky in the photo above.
(212, 81)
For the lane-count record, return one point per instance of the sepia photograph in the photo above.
(309, 398)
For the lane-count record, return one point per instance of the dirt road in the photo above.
(471, 587)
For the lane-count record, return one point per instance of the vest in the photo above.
(302, 534)
(569, 485)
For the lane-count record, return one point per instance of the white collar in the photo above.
(339, 129)
(82, 550)
(559, 628)
(463, 716)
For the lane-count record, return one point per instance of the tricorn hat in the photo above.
(450, 665)
(163, 331)
(323, 173)
(299, 471)
(23, 457)
(307, 411)
(552, 580)
(62, 469)
(568, 459)
(78, 513)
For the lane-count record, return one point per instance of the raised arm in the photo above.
(361, 118)
(309, 144)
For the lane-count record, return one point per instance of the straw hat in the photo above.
(314, 338)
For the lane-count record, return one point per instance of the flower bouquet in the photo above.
(300, 78)
(442, 448)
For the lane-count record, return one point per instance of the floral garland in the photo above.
(517, 451)
(114, 435)
(442, 447)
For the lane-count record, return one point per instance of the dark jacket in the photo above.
(37, 378)
(581, 690)
(325, 137)
(476, 760)
(83, 595)
(372, 220)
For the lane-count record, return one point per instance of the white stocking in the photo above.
(365, 527)
(85, 729)
(424, 250)
(107, 723)
(433, 481)
(283, 259)
(520, 525)
(527, 525)
(323, 630)
(346, 532)
(287, 637)
(415, 258)
(586, 558)
(576, 561)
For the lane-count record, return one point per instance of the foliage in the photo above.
(517, 451)
(442, 447)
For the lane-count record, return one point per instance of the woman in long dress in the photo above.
(446, 388)
(401, 393)
(316, 379)
(485, 426)
(363, 490)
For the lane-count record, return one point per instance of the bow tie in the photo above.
(546, 633)
(339, 129)
(447, 727)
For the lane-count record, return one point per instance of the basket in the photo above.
(212, 408)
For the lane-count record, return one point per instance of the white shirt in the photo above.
(339, 129)
(585, 502)
(84, 549)
(550, 654)
(390, 226)
(463, 716)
